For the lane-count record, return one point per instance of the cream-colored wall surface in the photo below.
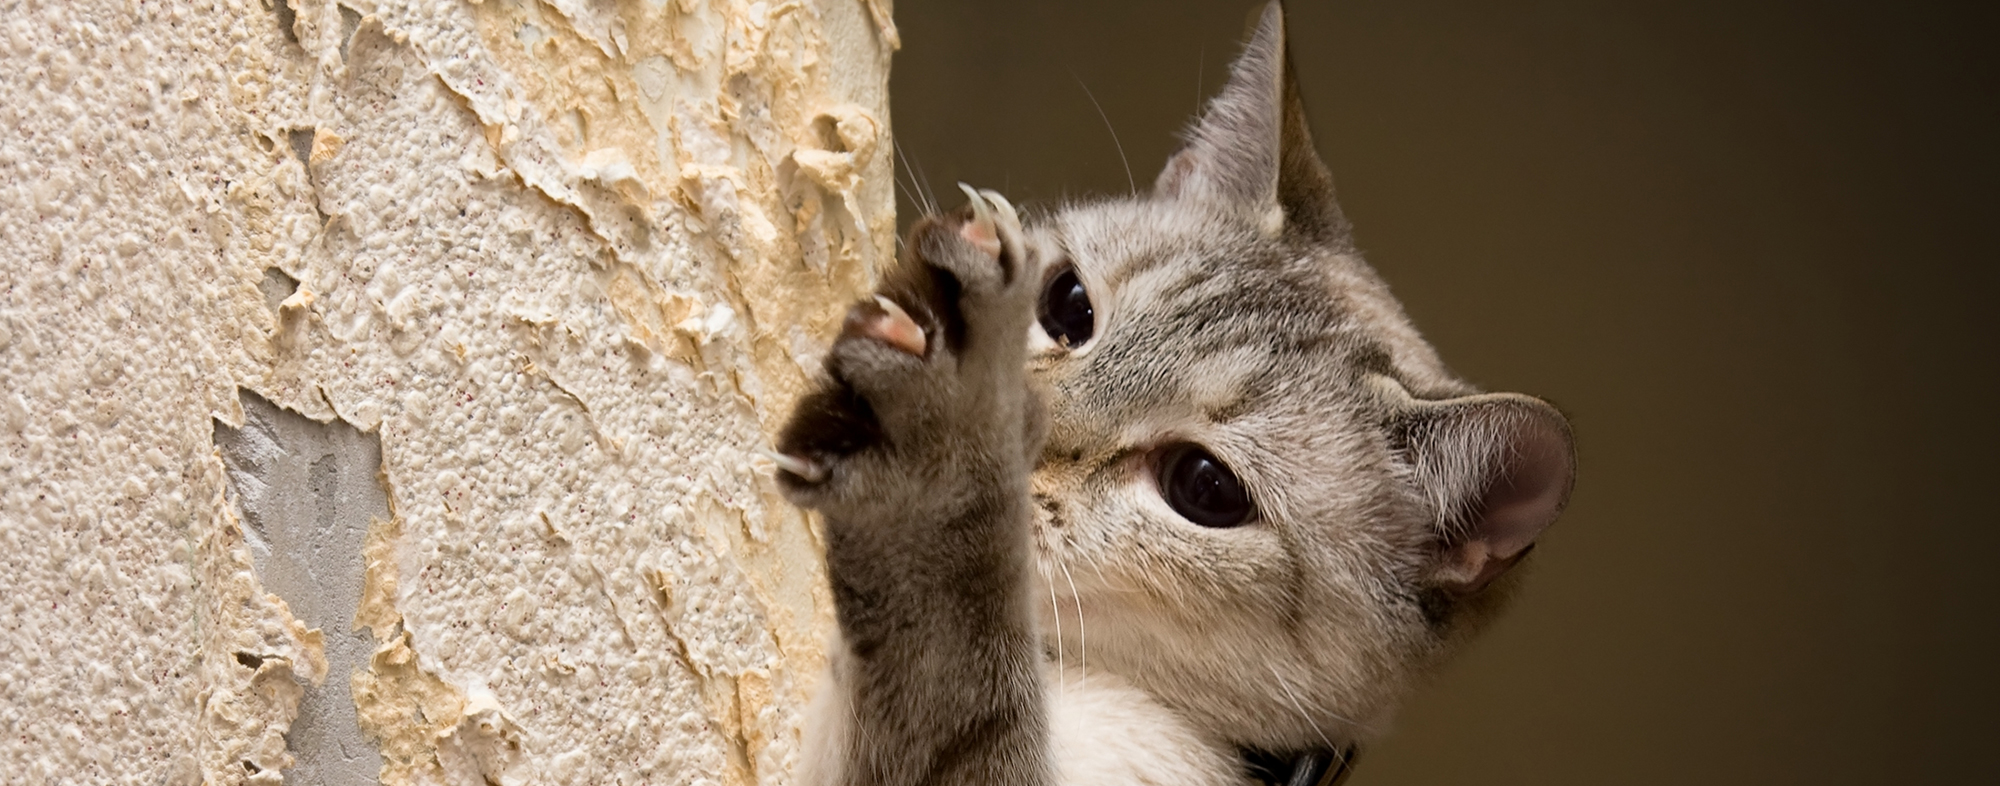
(562, 263)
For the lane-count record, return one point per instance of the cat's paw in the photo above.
(927, 374)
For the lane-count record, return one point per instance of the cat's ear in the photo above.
(1251, 147)
(1498, 468)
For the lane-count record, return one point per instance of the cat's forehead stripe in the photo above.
(1220, 350)
(1126, 239)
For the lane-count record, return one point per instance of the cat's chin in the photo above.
(1241, 679)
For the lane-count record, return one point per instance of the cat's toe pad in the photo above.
(888, 323)
(983, 231)
(916, 367)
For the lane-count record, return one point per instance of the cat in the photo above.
(1207, 525)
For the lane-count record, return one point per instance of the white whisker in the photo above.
(1200, 73)
(1082, 633)
(923, 195)
(1129, 181)
(1106, 582)
(1300, 707)
(927, 201)
(1055, 612)
(914, 201)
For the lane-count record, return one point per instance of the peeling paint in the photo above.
(308, 491)
(407, 711)
(566, 261)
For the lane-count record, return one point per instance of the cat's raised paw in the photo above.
(915, 365)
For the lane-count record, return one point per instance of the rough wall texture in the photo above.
(546, 270)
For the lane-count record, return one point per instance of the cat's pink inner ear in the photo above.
(1251, 150)
(1523, 484)
(1173, 177)
(1529, 490)
(1233, 150)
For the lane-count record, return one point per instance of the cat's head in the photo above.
(1273, 504)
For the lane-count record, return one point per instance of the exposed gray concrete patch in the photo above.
(276, 286)
(302, 143)
(307, 490)
(350, 21)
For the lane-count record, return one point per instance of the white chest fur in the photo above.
(1103, 732)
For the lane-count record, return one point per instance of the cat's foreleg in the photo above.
(916, 448)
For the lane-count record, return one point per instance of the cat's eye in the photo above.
(1065, 311)
(1201, 489)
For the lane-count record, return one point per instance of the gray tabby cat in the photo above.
(1206, 526)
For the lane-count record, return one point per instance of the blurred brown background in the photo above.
(1749, 247)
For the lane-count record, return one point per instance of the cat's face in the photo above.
(1216, 483)
(1262, 497)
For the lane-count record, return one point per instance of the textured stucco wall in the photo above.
(401, 364)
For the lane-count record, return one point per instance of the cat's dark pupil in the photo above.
(1204, 491)
(1066, 313)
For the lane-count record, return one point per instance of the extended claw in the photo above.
(805, 468)
(1005, 209)
(1009, 220)
(897, 329)
(981, 231)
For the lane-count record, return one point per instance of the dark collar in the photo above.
(1317, 767)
